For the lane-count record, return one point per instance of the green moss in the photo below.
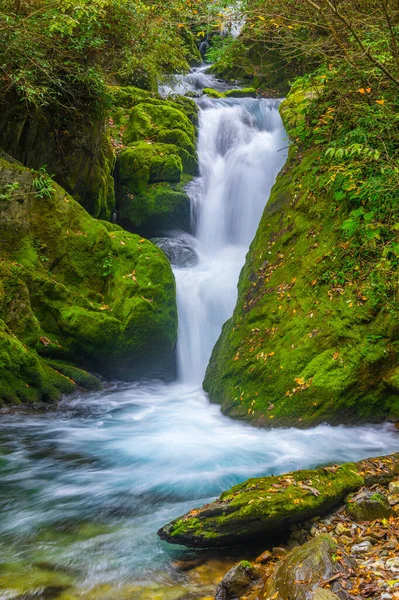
(212, 93)
(144, 163)
(248, 92)
(161, 208)
(264, 506)
(300, 350)
(75, 290)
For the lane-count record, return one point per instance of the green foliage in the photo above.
(63, 52)
(43, 183)
(9, 191)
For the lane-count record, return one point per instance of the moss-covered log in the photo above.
(267, 506)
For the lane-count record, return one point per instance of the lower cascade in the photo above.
(85, 488)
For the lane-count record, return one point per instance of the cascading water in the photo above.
(85, 488)
(238, 149)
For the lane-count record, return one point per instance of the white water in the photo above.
(135, 457)
(238, 149)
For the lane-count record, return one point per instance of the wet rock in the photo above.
(178, 250)
(237, 581)
(368, 506)
(250, 510)
(303, 571)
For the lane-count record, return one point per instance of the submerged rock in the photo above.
(304, 570)
(269, 505)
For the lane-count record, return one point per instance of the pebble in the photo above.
(386, 596)
(341, 529)
(393, 563)
(346, 540)
(394, 487)
(362, 547)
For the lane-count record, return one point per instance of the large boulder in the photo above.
(76, 291)
(267, 506)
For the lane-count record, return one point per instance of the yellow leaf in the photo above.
(382, 101)
(362, 91)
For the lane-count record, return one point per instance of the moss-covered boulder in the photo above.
(161, 208)
(156, 161)
(300, 350)
(306, 569)
(267, 506)
(75, 292)
(368, 506)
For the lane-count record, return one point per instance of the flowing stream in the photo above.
(84, 488)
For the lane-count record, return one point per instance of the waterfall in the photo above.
(238, 150)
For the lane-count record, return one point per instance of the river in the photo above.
(85, 487)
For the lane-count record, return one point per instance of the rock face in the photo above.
(304, 570)
(76, 150)
(157, 160)
(269, 505)
(298, 350)
(75, 291)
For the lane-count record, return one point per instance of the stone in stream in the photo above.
(237, 581)
(304, 571)
(368, 506)
(268, 506)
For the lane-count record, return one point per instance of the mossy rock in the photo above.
(368, 506)
(76, 150)
(212, 93)
(144, 163)
(299, 351)
(267, 506)
(162, 208)
(246, 92)
(74, 290)
(301, 573)
(262, 507)
(164, 121)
